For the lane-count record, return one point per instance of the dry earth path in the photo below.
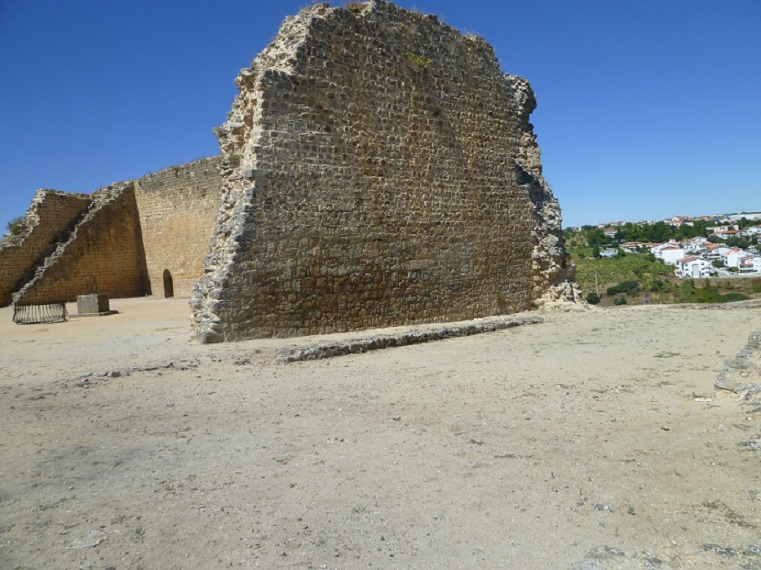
(590, 441)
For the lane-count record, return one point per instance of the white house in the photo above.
(655, 248)
(692, 266)
(716, 250)
(732, 257)
(631, 246)
(700, 240)
(750, 263)
(720, 229)
(725, 235)
(670, 254)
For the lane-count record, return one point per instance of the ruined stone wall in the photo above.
(380, 169)
(105, 245)
(177, 208)
(47, 219)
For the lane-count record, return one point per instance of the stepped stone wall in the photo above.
(47, 219)
(177, 209)
(379, 169)
(105, 245)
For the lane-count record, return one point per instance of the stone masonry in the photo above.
(177, 209)
(128, 236)
(379, 169)
(47, 220)
(104, 250)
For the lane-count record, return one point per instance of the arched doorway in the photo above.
(168, 284)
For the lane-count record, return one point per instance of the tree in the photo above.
(738, 242)
(595, 237)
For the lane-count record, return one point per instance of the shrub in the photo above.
(709, 294)
(730, 297)
(620, 301)
(593, 298)
(659, 286)
(629, 287)
(16, 226)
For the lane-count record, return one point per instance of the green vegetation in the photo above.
(634, 275)
(418, 59)
(16, 226)
(648, 274)
(641, 277)
(658, 232)
(731, 516)
(629, 287)
(689, 293)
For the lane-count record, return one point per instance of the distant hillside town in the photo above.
(707, 246)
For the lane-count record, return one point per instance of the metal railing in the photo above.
(39, 313)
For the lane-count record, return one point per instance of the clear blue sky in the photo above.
(647, 108)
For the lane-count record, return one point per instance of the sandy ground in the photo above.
(590, 441)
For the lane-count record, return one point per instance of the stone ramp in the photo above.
(50, 219)
(104, 249)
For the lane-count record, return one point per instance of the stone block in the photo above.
(92, 303)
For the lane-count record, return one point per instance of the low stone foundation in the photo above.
(403, 338)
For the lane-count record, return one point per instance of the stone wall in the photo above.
(47, 220)
(177, 208)
(105, 245)
(379, 170)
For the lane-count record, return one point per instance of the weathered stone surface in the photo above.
(177, 208)
(93, 303)
(743, 373)
(406, 338)
(132, 237)
(379, 169)
(104, 249)
(47, 220)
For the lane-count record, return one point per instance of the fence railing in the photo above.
(39, 313)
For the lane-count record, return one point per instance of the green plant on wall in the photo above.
(418, 59)
(16, 226)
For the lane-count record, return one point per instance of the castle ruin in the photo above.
(377, 169)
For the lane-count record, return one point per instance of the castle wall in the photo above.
(106, 246)
(380, 170)
(177, 209)
(48, 217)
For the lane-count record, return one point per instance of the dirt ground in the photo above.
(591, 441)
